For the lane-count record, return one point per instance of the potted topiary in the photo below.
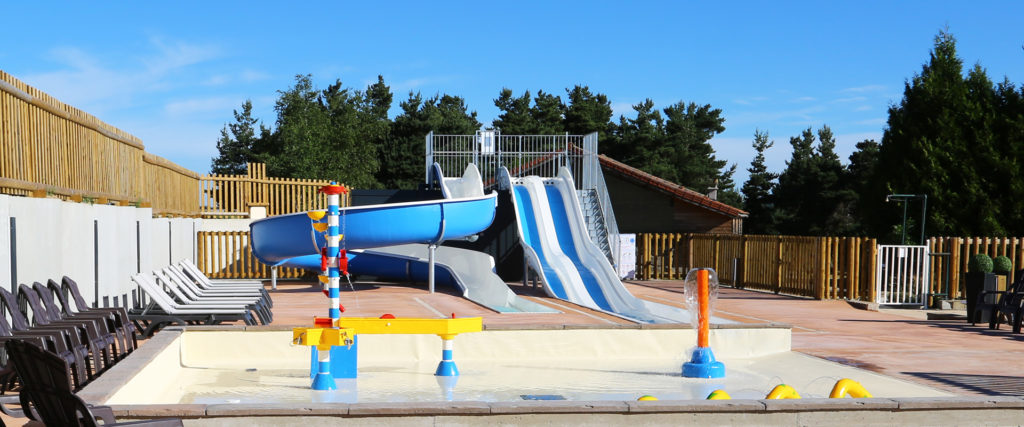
(1002, 267)
(979, 278)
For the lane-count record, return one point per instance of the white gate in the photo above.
(902, 275)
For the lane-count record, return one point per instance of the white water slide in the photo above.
(571, 266)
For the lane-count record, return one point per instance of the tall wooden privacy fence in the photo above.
(817, 267)
(233, 195)
(48, 148)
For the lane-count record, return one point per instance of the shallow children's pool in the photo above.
(222, 366)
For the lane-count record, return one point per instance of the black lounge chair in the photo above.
(72, 337)
(53, 343)
(69, 286)
(46, 393)
(105, 322)
(95, 331)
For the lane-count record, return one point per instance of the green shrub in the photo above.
(1002, 265)
(980, 263)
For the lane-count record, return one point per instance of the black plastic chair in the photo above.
(92, 330)
(70, 336)
(69, 287)
(105, 322)
(46, 393)
(1006, 303)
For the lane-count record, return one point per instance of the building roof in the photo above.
(678, 191)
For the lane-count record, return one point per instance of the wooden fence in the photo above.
(817, 267)
(233, 195)
(50, 149)
(227, 255)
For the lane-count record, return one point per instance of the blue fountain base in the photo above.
(447, 369)
(702, 364)
(323, 379)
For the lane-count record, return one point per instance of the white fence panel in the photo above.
(901, 277)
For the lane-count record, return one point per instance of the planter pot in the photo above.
(975, 284)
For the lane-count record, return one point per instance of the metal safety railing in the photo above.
(524, 155)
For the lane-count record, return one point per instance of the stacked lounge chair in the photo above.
(183, 295)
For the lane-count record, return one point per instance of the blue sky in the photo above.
(172, 72)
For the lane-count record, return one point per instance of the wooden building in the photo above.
(644, 203)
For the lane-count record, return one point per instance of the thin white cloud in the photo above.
(622, 109)
(246, 76)
(863, 108)
(174, 55)
(864, 89)
(250, 76)
(850, 99)
(804, 99)
(87, 82)
(751, 100)
(880, 121)
(203, 105)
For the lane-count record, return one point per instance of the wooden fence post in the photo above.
(778, 264)
(820, 273)
(849, 268)
(873, 262)
(742, 280)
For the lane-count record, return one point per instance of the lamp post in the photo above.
(905, 199)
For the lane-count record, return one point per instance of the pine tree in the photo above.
(238, 142)
(757, 191)
(589, 112)
(442, 114)
(939, 142)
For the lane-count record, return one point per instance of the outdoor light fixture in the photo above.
(905, 199)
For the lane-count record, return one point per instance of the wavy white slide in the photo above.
(471, 271)
(571, 266)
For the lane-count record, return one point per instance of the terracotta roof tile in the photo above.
(679, 191)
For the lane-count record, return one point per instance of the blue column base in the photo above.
(344, 360)
(702, 364)
(447, 369)
(323, 379)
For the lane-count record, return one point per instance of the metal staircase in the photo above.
(595, 220)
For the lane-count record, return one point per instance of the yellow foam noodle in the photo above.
(316, 215)
(320, 226)
(783, 391)
(444, 327)
(719, 395)
(847, 387)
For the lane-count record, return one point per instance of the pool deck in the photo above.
(949, 355)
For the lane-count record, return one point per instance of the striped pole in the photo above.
(323, 380)
(447, 366)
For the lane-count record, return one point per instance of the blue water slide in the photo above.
(566, 240)
(558, 248)
(530, 235)
(280, 238)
